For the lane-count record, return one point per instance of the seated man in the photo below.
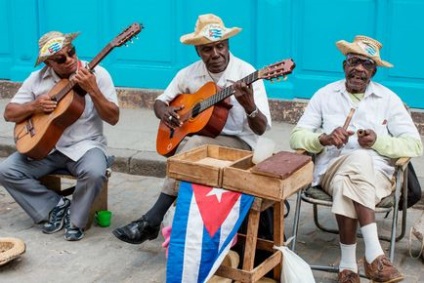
(248, 117)
(81, 149)
(355, 168)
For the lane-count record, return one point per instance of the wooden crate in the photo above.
(204, 165)
(285, 179)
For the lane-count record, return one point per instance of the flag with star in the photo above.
(205, 223)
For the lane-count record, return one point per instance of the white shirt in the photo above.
(85, 133)
(380, 110)
(193, 77)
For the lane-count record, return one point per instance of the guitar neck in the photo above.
(105, 51)
(226, 92)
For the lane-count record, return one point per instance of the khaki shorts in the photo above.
(351, 178)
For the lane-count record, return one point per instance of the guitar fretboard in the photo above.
(221, 95)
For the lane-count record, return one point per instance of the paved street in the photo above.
(100, 257)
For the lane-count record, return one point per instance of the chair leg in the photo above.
(251, 238)
(296, 220)
(318, 224)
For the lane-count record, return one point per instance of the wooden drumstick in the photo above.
(348, 118)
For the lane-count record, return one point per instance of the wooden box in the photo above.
(288, 173)
(204, 164)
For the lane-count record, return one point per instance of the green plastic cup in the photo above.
(104, 218)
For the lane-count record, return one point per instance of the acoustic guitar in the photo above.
(37, 135)
(205, 112)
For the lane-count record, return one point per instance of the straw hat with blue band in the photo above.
(366, 46)
(209, 28)
(51, 43)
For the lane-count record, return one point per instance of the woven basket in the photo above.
(10, 248)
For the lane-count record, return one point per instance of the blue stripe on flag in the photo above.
(194, 255)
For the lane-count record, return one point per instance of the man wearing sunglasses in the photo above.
(353, 156)
(81, 149)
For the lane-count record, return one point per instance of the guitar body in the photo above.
(37, 136)
(209, 122)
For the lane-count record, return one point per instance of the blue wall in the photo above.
(305, 30)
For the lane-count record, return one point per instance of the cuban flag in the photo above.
(205, 223)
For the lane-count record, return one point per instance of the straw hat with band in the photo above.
(209, 28)
(51, 43)
(366, 46)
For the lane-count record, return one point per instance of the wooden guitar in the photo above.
(37, 135)
(205, 111)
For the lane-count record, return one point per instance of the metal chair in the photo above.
(317, 197)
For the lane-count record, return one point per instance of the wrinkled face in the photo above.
(64, 62)
(215, 55)
(358, 72)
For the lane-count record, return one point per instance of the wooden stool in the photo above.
(54, 182)
(271, 182)
(249, 272)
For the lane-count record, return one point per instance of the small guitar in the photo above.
(205, 112)
(37, 135)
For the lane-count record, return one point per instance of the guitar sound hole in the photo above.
(196, 111)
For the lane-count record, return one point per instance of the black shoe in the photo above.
(56, 218)
(137, 232)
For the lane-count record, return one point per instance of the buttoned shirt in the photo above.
(190, 79)
(381, 110)
(86, 132)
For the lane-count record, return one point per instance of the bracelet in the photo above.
(254, 113)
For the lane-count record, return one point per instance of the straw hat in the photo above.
(209, 28)
(10, 248)
(366, 46)
(51, 43)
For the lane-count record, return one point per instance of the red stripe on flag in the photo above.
(214, 205)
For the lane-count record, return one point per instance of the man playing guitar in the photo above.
(81, 149)
(247, 111)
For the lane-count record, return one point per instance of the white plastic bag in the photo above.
(294, 269)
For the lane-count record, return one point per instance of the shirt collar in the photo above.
(226, 76)
(368, 91)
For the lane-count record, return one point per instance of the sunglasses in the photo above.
(62, 58)
(355, 61)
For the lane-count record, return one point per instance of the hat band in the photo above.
(213, 32)
(52, 46)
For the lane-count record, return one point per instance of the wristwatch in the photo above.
(254, 113)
